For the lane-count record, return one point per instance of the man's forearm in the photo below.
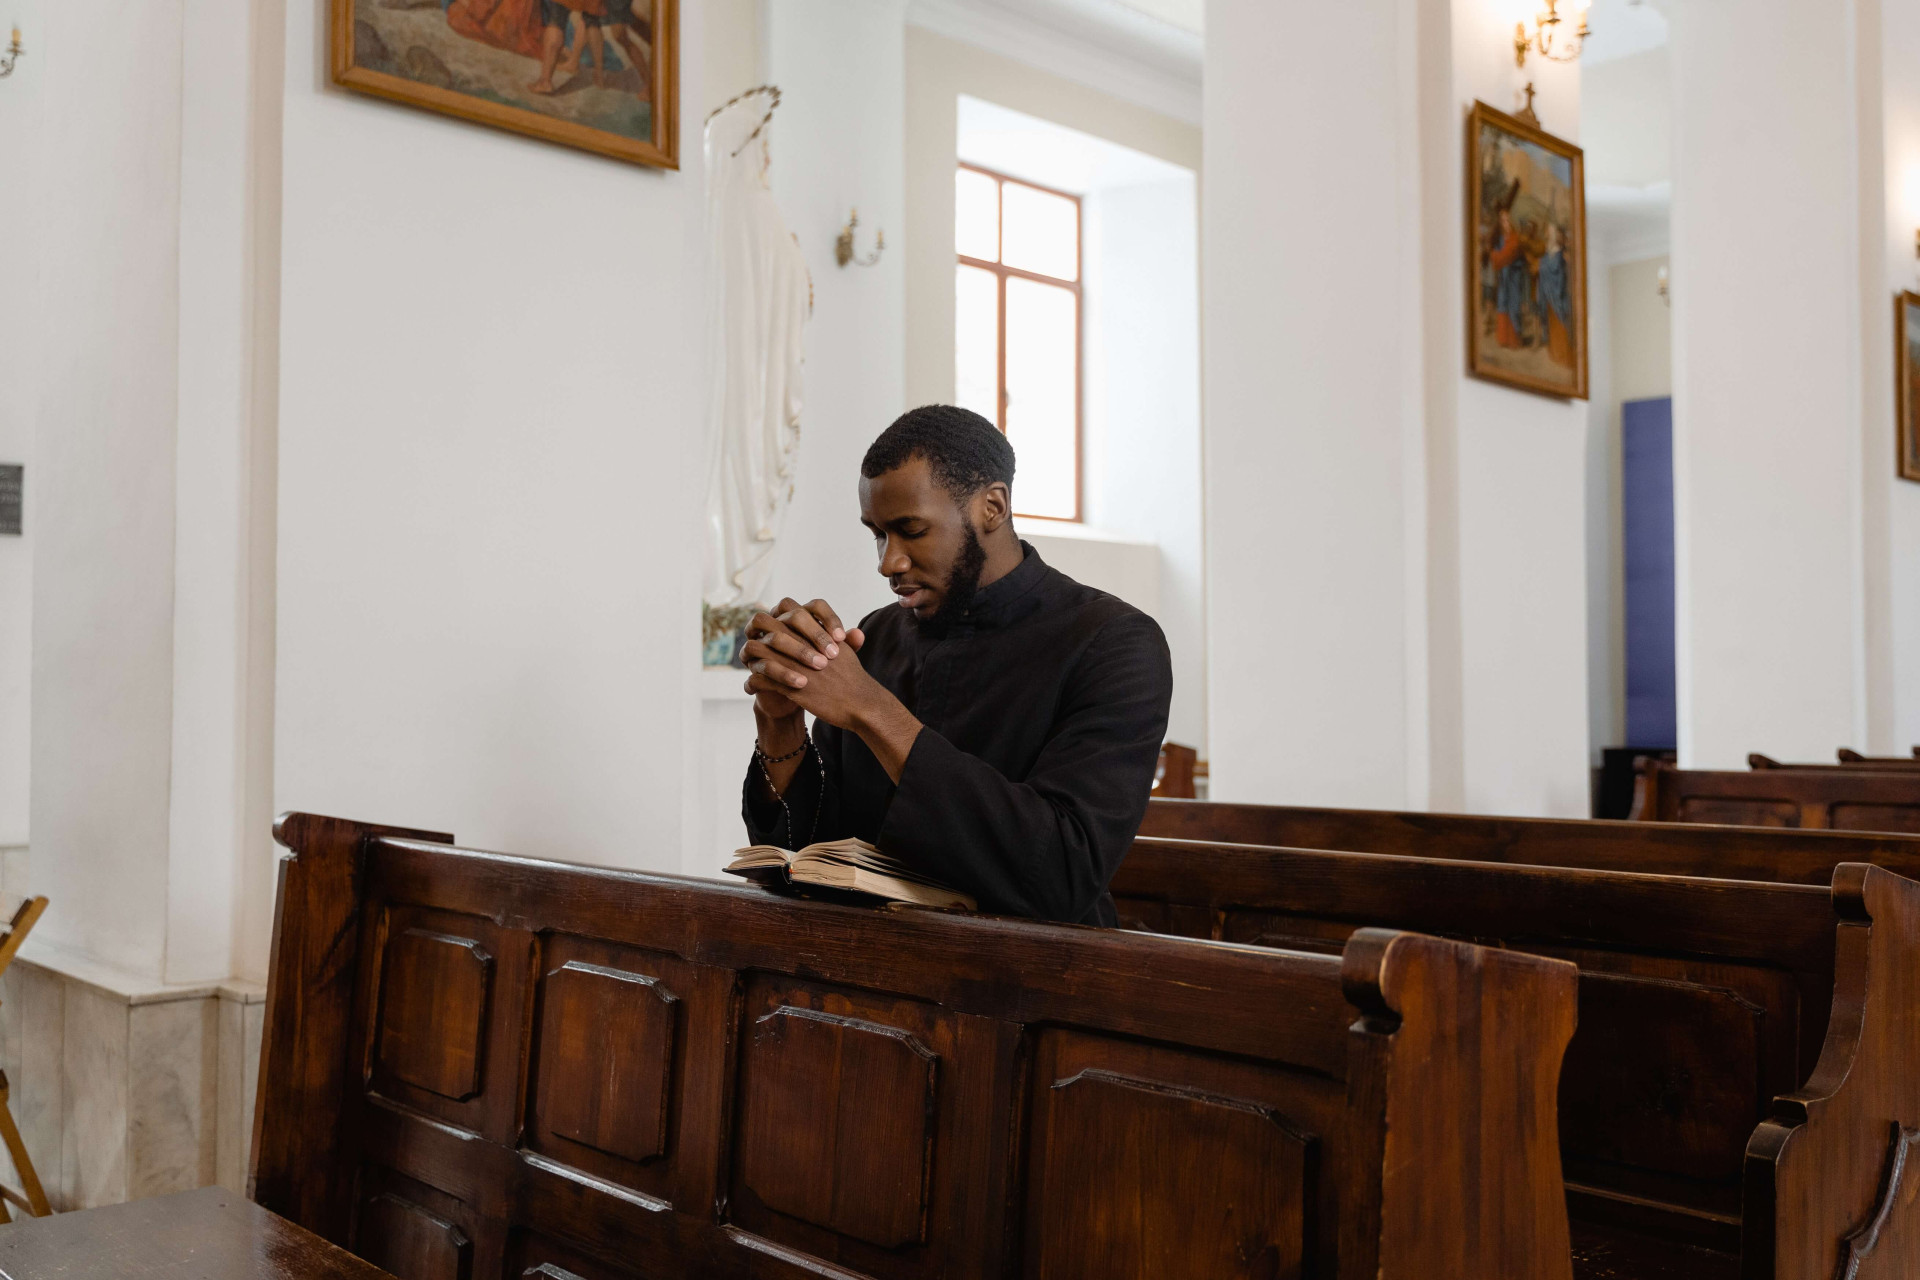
(889, 730)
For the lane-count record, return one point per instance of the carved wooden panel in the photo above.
(411, 1241)
(1164, 1164)
(1875, 817)
(1662, 1075)
(839, 1125)
(433, 1009)
(536, 1255)
(1742, 813)
(606, 1058)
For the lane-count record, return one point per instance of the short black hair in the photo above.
(967, 453)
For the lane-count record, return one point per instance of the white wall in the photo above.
(489, 462)
(104, 493)
(21, 124)
(1901, 65)
(1305, 377)
(1771, 586)
(1522, 488)
(1403, 550)
(1142, 406)
(838, 146)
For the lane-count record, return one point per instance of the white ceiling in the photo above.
(1622, 28)
(1052, 155)
(1188, 15)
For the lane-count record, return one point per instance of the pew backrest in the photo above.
(1679, 849)
(1838, 798)
(1700, 1000)
(1849, 756)
(484, 1066)
(1855, 764)
(1704, 1005)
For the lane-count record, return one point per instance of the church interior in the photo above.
(407, 407)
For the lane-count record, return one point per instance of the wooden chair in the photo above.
(1671, 849)
(1174, 775)
(31, 1197)
(1833, 797)
(1715, 1017)
(478, 1066)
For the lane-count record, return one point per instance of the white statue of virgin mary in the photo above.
(758, 299)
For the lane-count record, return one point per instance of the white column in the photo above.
(1772, 109)
(1900, 270)
(1311, 381)
(1396, 554)
(104, 498)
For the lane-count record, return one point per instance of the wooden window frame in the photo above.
(1001, 273)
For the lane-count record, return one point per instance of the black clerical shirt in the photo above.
(1044, 709)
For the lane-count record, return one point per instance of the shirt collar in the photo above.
(1012, 597)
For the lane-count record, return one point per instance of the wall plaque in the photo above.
(12, 487)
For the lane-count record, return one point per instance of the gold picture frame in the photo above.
(1906, 378)
(1526, 259)
(470, 59)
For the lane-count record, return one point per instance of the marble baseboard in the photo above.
(124, 1090)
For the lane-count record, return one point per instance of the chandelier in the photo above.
(1556, 36)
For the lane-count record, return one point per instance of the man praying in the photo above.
(995, 729)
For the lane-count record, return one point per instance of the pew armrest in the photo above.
(1832, 1174)
(1466, 1042)
(310, 990)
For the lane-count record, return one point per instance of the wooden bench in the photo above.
(1679, 849)
(485, 1066)
(1692, 1111)
(1852, 761)
(1849, 756)
(1842, 799)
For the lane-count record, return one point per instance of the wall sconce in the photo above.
(1664, 284)
(13, 54)
(1550, 40)
(843, 245)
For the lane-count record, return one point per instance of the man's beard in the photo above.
(962, 585)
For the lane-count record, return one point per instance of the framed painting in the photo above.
(600, 75)
(1906, 363)
(1526, 256)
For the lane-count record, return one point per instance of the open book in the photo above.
(851, 866)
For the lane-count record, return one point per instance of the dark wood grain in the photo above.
(1679, 849)
(209, 1234)
(1699, 999)
(1837, 797)
(905, 1094)
(1701, 1002)
(1831, 1174)
(310, 992)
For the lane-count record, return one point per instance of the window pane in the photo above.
(976, 215)
(1043, 380)
(1042, 231)
(976, 342)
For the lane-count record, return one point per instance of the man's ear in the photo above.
(993, 507)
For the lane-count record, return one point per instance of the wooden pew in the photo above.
(479, 1066)
(1704, 1006)
(1838, 798)
(1679, 849)
(1849, 756)
(1856, 763)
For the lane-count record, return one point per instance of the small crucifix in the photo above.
(1526, 113)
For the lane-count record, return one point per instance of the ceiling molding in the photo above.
(1155, 64)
